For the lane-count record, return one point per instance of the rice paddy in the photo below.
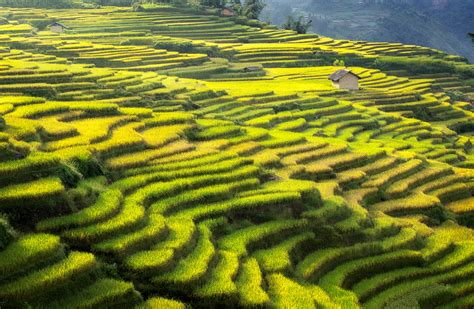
(143, 164)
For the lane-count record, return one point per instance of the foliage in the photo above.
(299, 25)
(213, 3)
(252, 8)
(38, 3)
(7, 234)
(414, 65)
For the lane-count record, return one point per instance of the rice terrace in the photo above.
(175, 155)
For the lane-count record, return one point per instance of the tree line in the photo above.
(56, 4)
(248, 8)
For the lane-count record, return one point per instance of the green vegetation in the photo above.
(168, 157)
(298, 25)
(38, 3)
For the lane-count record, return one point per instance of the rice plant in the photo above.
(239, 240)
(16, 195)
(210, 162)
(29, 249)
(194, 266)
(107, 204)
(249, 284)
(48, 278)
(220, 283)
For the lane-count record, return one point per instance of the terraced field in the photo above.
(143, 164)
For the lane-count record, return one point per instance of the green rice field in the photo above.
(171, 158)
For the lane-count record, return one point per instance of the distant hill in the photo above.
(442, 24)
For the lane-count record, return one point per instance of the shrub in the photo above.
(465, 70)
(299, 25)
(37, 3)
(179, 46)
(7, 234)
(423, 65)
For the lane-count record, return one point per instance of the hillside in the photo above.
(168, 157)
(439, 24)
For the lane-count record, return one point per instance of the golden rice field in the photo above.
(144, 165)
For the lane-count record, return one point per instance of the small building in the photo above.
(345, 79)
(252, 68)
(227, 12)
(324, 53)
(57, 27)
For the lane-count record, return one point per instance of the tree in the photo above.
(300, 25)
(213, 3)
(57, 4)
(236, 6)
(252, 8)
(472, 36)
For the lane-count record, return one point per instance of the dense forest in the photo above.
(441, 24)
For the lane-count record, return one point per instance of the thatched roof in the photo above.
(59, 24)
(336, 76)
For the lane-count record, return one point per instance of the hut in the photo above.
(227, 11)
(252, 68)
(57, 27)
(345, 79)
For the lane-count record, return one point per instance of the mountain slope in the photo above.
(168, 157)
(439, 25)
